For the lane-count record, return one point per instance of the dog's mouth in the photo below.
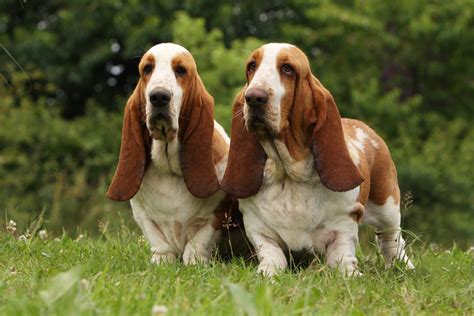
(159, 127)
(256, 124)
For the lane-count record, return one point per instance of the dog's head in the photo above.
(169, 102)
(283, 96)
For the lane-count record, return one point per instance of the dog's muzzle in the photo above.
(159, 120)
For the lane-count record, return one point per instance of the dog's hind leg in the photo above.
(386, 219)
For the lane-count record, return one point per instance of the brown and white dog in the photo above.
(305, 177)
(172, 158)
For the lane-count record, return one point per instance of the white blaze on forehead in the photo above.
(277, 46)
(163, 72)
(167, 50)
(163, 77)
(267, 76)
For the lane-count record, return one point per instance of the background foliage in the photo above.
(67, 67)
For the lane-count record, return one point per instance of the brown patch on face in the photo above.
(290, 58)
(297, 104)
(376, 165)
(184, 62)
(253, 63)
(146, 67)
(255, 121)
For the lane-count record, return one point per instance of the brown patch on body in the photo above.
(357, 213)
(375, 164)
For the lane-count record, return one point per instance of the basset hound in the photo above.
(305, 177)
(172, 158)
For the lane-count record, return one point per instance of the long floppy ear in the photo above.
(244, 173)
(196, 128)
(332, 160)
(134, 150)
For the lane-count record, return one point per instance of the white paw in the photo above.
(409, 264)
(350, 270)
(268, 269)
(164, 258)
(355, 274)
(192, 257)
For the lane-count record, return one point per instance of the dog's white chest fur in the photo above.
(164, 199)
(294, 205)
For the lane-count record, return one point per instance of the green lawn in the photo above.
(111, 274)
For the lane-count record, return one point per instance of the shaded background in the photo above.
(66, 68)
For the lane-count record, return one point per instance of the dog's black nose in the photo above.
(256, 97)
(160, 97)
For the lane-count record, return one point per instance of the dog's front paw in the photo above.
(355, 274)
(410, 265)
(163, 258)
(193, 257)
(267, 269)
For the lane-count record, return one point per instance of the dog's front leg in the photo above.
(265, 241)
(198, 248)
(162, 251)
(341, 246)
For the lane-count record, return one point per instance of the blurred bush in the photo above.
(67, 68)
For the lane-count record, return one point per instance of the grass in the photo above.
(111, 275)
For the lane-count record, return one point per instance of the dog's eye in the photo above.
(251, 67)
(147, 69)
(287, 70)
(180, 71)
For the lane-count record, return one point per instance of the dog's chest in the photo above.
(303, 215)
(293, 203)
(163, 195)
(289, 205)
(291, 196)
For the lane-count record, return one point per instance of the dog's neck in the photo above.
(285, 165)
(165, 156)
